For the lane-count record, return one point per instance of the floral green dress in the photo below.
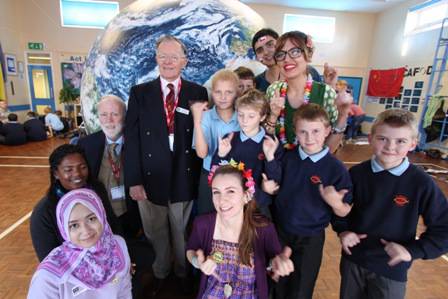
(321, 94)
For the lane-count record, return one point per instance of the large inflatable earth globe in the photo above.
(216, 33)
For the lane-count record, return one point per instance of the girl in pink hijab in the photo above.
(92, 262)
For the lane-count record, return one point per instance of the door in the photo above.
(41, 87)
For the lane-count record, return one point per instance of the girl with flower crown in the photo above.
(234, 246)
(92, 262)
(293, 52)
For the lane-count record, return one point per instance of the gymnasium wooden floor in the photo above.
(24, 179)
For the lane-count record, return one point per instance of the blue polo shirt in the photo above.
(214, 128)
(396, 171)
(54, 122)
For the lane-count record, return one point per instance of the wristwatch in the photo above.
(336, 130)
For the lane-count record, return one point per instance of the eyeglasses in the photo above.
(174, 58)
(269, 46)
(293, 53)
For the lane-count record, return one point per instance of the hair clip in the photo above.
(247, 173)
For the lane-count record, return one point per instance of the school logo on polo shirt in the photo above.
(401, 200)
(315, 179)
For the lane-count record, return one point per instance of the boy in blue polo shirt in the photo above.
(308, 200)
(378, 237)
(210, 125)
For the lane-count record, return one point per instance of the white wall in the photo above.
(11, 41)
(388, 43)
(389, 39)
(39, 21)
(362, 40)
(351, 46)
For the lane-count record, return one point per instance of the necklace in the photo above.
(225, 255)
(281, 118)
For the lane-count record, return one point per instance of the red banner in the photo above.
(385, 83)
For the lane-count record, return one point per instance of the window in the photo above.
(426, 16)
(87, 14)
(321, 29)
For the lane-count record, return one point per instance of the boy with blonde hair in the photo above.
(378, 237)
(210, 125)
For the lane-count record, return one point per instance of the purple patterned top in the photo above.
(265, 247)
(240, 277)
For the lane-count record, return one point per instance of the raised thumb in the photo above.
(286, 252)
(343, 191)
(200, 255)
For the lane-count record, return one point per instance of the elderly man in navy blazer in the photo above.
(105, 156)
(104, 151)
(162, 169)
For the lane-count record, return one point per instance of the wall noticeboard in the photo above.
(11, 64)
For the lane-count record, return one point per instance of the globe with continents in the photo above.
(216, 33)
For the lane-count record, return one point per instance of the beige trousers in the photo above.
(165, 228)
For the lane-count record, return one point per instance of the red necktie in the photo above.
(169, 102)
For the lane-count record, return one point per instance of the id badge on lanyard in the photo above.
(117, 193)
(171, 141)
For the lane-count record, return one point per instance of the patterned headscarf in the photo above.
(94, 266)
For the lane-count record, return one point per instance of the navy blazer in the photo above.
(93, 146)
(14, 133)
(35, 130)
(165, 175)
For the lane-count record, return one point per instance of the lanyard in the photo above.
(116, 167)
(170, 116)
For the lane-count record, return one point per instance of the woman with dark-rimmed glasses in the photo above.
(293, 52)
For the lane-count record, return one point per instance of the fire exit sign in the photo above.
(35, 46)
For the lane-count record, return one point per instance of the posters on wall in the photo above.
(385, 83)
(72, 74)
(72, 67)
(412, 91)
(355, 83)
(11, 64)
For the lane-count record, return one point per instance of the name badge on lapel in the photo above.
(117, 193)
(171, 141)
(77, 290)
(183, 110)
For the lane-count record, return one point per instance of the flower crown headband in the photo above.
(247, 174)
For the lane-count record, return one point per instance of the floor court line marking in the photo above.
(24, 218)
(22, 157)
(14, 226)
(30, 166)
